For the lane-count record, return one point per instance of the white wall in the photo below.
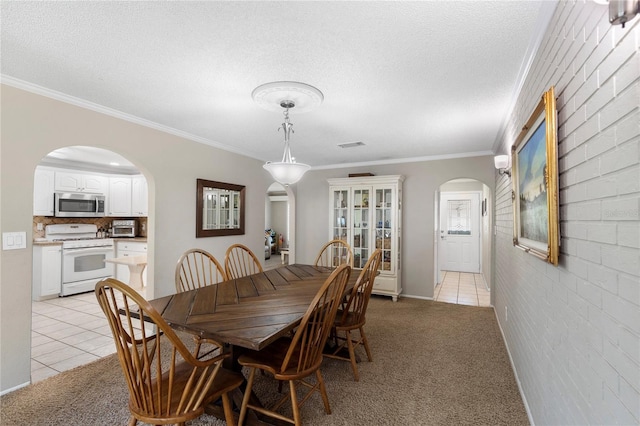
(279, 219)
(32, 126)
(573, 331)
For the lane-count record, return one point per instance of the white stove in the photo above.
(76, 235)
(83, 256)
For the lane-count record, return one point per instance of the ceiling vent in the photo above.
(350, 144)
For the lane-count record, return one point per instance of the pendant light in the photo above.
(287, 171)
(283, 96)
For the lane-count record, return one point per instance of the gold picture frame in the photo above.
(535, 183)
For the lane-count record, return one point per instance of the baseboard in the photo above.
(408, 296)
(515, 372)
(15, 388)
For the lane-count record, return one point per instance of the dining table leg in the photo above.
(252, 418)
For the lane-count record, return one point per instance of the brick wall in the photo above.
(573, 331)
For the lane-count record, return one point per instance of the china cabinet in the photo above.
(367, 213)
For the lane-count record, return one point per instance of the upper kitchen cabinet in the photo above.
(127, 196)
(43, 188)
(80, 182)
(139, 196)
(119, 198)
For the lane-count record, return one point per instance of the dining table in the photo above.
(249, 312)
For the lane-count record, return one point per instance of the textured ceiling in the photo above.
(409, 79)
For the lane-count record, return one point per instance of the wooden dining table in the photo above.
(249, 312)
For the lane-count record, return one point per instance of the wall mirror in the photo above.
(219, 209)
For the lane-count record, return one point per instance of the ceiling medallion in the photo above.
(270, 95)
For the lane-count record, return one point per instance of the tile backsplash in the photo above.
(100, 222)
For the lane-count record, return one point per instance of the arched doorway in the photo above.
(280, 220)
(463, 243)
(71, 331)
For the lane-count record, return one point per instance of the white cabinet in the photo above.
(43, 188)
(139, 196)
(367, 213)
(80, 182)
(125, 249)
(119, 199)
(127, 196)
(47, 271)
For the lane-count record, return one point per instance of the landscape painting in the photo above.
(532, 164)
(535, 183)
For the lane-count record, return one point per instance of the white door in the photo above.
(459, 243)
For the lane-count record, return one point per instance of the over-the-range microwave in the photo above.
(69, 204)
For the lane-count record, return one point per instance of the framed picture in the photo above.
(535, 183)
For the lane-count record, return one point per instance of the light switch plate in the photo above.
(14, 240)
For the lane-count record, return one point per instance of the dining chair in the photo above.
(335, 253)
(167, 383)
(197, 268)
(294, 358)
(351, 316)
(240, 261)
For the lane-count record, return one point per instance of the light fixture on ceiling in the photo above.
(287, 95)
(502, 163)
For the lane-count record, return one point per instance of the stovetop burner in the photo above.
(79, 235)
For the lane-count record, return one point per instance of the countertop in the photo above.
(115, 240)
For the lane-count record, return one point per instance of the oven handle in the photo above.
(83, 250)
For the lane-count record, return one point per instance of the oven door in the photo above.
(80, 264)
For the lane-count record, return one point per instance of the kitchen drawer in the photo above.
(128, 246)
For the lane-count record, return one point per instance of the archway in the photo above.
(280, 201)
(72, 330)
(462, 247)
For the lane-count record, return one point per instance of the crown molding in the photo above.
(43, 91)
(62, 97)
(404, 160)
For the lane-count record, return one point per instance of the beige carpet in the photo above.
(434, 364)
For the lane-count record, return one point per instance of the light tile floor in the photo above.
(463, 288)
(67, 332)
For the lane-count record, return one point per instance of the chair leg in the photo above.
(294, 404)
(133, 421)
(365, 343)
(352, 356)
(228, 410)
(323, 392)
(247, 395)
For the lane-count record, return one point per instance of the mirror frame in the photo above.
(203, 183)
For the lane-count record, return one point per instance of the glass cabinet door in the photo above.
(235, 216)
(210, 206)
(223, 210)
(383, 225)
(340, 215)
(361, 244)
